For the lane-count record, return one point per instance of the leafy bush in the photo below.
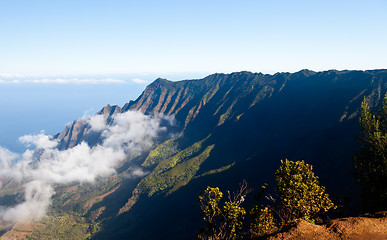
(222, 222)
(262, 222)
(301, 197)
(300, 191)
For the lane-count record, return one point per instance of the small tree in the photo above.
(222, 222)
(262, 222)
(371, 159)
(301, 197)
(209, 204)
(300, 191)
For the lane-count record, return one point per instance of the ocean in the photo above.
(29, 105)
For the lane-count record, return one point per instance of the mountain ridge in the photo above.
(305, 115)
(228, 127)
(152, 94)
(204, 107)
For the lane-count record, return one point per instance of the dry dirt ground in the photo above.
(371, 227)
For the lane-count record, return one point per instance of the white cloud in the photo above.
(130, 133)
(70, 79)
(136, 172)
(77, 81)
(39, 141)
(11, 75)
(40, 79)
(139, 81)
(97, 123)
(9, 81)
(37, 196)
(7, 157)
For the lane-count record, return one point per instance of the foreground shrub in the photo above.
(300, 191)
(262, 222)
(222, 222)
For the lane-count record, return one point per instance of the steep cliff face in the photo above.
(227, 118)
(233, 127)
(238, 126)
(185, 99)
(222, 97)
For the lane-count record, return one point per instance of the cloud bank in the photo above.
(139, 81)
(44, 165)
(62, 80)
(76, 81)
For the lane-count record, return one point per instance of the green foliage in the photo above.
(225, 116)
(301, 197)
(64, 226)
(214, 171)
(173, 177)
(262, 222)
(263, 93)
(371, 159)
(77, 198)
(222, 222)
(209, 203)
(181, 156)
(262, 218)
(234, 216)
(300, 191)
(161, 152)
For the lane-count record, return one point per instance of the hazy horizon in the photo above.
(31, 104)
(60, 59)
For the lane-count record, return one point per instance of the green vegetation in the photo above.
(218, 170)
(222, 222)
(225, 116)
(64, 226)
(181, 156)
(371, 159)
(300, 191)
(265, 92)
(80, 198)
(172, 173)
(277, 113)
(301, 196)
(262, 222)
(74, 202)
(209, 94)
(162, 151)
(11, 188)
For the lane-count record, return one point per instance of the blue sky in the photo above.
(32, 103)
(106, 37)
(60, 59)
